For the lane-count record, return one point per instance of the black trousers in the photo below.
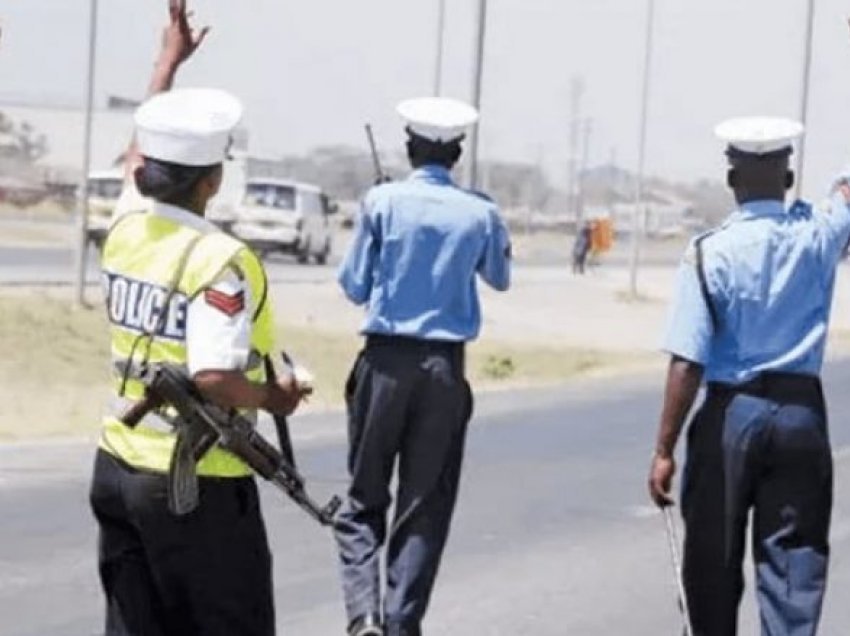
(408, 403)
(207, 573)
(761, 447)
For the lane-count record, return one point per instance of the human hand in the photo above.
(284, 395)
(660, 479)
(303, 378)
(179, 39)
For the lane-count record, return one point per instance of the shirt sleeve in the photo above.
(689, 327)
(495, 263)
(356, 271)
(218, 326)
(834, 221)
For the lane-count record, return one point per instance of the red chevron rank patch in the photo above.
(228, 304)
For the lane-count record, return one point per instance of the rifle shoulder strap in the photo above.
(703, 281)
(280, 422)
(150, 334)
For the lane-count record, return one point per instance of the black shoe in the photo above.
(368, 625)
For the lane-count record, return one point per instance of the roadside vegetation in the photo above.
(55, 364)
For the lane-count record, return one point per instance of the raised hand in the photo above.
(179, 43)
(179, 39)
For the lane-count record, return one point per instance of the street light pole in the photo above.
(587, 132)
(577, 87)
(638, 212)
(80, 252)
(478, 71)
(438, 63)
(804, 97)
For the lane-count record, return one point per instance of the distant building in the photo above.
(665, 216)
(64, 130)
(610, 191)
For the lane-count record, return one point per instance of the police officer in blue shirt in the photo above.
(750, 316)
(418, 249)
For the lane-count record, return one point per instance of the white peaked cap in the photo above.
(759, 135)
(437, 118)
(187, 126)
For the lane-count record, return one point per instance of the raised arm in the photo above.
(179, 43)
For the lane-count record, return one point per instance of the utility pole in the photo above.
(477, 73)
(533, 193)
(804, 97)
(441, 33)
(587, 132)
(576, 95)
(613, 179)
(639, 212)
(81, 250)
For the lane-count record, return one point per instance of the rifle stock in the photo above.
(280, 422)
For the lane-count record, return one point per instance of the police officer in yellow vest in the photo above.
(179, 290)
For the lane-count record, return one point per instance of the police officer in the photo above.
(750, 316)
(180, 291)
(418, 248)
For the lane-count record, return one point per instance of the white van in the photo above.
(277, 215)
(104, 189)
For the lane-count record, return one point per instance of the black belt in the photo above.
(773, 385)
(453, 348)
(408, 342)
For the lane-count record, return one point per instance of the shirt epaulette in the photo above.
(800, 208)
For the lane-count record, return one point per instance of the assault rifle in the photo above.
(380, 175)
(200, 425)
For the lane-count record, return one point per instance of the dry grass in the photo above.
(54, 369)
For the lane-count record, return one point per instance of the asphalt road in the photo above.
(53, 265)
(553, 533)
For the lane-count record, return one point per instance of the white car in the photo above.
(104, 190)
(277, 215)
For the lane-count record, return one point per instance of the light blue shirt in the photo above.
(770, 274)
(418, 248)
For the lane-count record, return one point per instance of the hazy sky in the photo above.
(312, 72)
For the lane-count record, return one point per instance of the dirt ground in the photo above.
(55, 368)
(551, 326)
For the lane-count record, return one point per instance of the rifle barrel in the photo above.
(376, 160)
(296, 492)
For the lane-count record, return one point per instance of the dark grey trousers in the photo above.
(762, 447)
(208, 573)
(408, 403)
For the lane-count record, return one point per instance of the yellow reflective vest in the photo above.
(142, 256)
